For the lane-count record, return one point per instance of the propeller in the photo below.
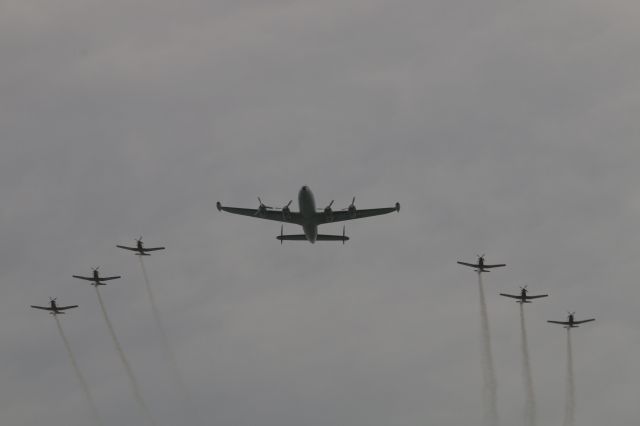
(139, 239)
(263, 204)
(523, 288)
(343, 234)
(281, 233)
(53, 299)
(328, 208)
(95, 268)
(352, 205)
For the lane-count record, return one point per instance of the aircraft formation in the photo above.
(309, 217)
(524, 296)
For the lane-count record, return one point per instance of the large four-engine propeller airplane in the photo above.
(140, 249)
(54, 309)
(481, 266)
(570, 322)
(308, 217)
(523, 297)
(96, 278)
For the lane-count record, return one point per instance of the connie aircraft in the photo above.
(570, 322)
(308, 217)
(54, 309)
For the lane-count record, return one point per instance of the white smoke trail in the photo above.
(530, 402)
(83, 382)
(165, 341)
(488, 371)
(570, 404)
(132, 379)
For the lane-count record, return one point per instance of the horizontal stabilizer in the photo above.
(322, 237)
(298, 237)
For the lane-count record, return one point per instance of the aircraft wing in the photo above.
(537, 296)
(561, 322)
(342, 215)
(44, 308)
(128, 248)
(583, 321)
(468, 264)
(83, 278)
(152, 248)
(277, 215)
(64, 308)
(108, 278)
(510, 295)
(500, 265)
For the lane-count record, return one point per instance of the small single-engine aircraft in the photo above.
(54, 309)
(140, 249)
(96, 278)
(570, 322)
(480, 266)
(523, 297)
(308, 217)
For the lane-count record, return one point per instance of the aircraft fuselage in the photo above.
(307, 204)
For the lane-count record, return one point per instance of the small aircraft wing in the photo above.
(277, 215)
(152, 248)
(561, 322)
(583, 321)
(83, 278)
(537, 296)
(342, 215)
(128, 248)
(511, 295)
(469, 264)
(500, 265)
(64, 308)
(44, 308)
(108, 278)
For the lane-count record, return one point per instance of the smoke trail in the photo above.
(488, 371)
(570, 404)
(530, 403)
(132, 379)
(165, 341)
(83, 382)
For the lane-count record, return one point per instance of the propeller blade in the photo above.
(281, 233)
(343, 234)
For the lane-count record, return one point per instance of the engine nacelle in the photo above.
(328, 214)
(352, 211)
(286, 213)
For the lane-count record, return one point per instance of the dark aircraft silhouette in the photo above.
(523, 297)
(570, 322)
(481, 266)
(308, 217)
(140, 249)
(54, 309)
(96, 278)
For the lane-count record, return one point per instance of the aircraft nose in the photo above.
(305, 188)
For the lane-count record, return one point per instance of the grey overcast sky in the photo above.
(505, 128)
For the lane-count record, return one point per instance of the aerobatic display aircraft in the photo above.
(570, 322)
(96, 278)
(523, 297)
(308, 217)
(140, 249)
(54, 309)
(481, 266)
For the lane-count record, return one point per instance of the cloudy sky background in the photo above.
(506, 129)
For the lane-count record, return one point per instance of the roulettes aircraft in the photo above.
(481, 266)
(53, 308)
(570, 322)
(523, 297)
(96, 278)
(308, 217)
(140, 249)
